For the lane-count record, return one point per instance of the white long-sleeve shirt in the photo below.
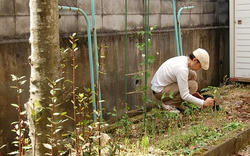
(171, 71)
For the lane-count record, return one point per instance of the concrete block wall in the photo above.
(14, 15)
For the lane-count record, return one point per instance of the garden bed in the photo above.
(194, 132)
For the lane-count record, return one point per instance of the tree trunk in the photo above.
(44, 60)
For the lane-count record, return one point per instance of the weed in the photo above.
(20, 127)
(54, 121)
(232, 126)
(123, 123)
(145, 143)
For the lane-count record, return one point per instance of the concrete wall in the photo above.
(205, 26)
(14, 15)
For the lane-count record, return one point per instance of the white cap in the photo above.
(203, 56)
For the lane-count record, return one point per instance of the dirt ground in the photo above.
(236, 101)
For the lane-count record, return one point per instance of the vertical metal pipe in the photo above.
(175, 28)
(146, 57)
(179, 26)
(92, 81)
(96, 55)
(126, 54)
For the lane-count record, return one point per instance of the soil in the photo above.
(236, 101)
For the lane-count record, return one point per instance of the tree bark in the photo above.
(44, 60)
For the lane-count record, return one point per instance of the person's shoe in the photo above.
(170, 108)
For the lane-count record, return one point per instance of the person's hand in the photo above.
(198, 95)
(209, 102)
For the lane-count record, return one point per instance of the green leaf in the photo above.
(141, 33)
(87, 89)
(76, 49)
(13, 87)
(63, 65)
(64, 120)
(20, 78)
(55, 114)
(62, 49)
(37, 120)
(137, 77)
(74, 45)
(23, 113)
(153, 27)
(36, 104)
(80, 137)
(163, 96)
(74, 35)
(52, 92)
(57, 130)
(33, 113)
(63, 113)
(14, 77)
(27, 147)
(22, 82)
(48, 146)
(140, 46)
(3, 146)
(151, 59)
(15, 122)
(49, 125)
(171, 95)
(81, 95)
(54, 99)
(60, 79)
(14, 105)
(103, 56)
(57, 89)
(13, 153)
(20, 90)
(50, 85)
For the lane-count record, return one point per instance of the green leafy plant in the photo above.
(145, 143)
(20, 127)
(232, 126)
(123, 123)
(80, 140)
(141, 46)
(85, 138)
(35, 110)
(190, 108)
(55, 122)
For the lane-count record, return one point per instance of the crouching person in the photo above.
(177, 77)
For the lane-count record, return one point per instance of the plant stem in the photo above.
(74, 96)
(52, 128)
(99, 128)
(19, 124)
